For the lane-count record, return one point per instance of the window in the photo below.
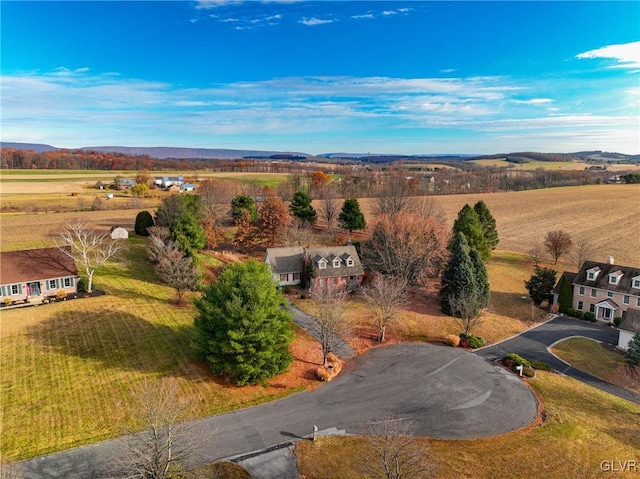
(625, 299)
(606, 313)
(593, 293)
(609, 294)
(51, 284)
(614, 278)
(336, 263)
(296, 276)
(15, 289)
(591, 275)
(283, 277)
(581, 291)
(67, 282)
(580, 305)
(322, 264)
(638, 302)
(592, 308)
(636, 283)
(350, 262)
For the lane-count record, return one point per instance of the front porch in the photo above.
(606, 310)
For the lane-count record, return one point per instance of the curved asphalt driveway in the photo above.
(447, 392)
(533, 344)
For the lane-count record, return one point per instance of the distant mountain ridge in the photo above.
(161, 152)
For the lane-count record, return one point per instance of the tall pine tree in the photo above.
(458, 277)
(469, 224)
(351, 217)
(488, 223)
(241, 329)
(565, 296)
(483, 289)
(301, 208)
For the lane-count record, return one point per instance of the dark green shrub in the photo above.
(528, 372)
(540, 365)
(144, 220)
(589, 316)
(570, 312)
(82, 285)
(579, 314)
(475, 342)
(513, 359)
(617, 320)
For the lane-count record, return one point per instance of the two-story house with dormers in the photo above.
(606, 289)
(339, 265)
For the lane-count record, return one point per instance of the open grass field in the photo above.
(553, 165)
(70, 368)
(582, 428)
(608, 215)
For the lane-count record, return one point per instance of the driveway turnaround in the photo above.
(533, 344)
(447, 392)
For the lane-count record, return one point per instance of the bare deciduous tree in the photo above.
(164, 443)
(583, 250)
(215, 199)
(88, 247)
(177, 270)
(407, 246)
(329, 208)
(394, 452)
(467, 310)
(385, 296)
(536, 252)
(558, 243)
(329, 300)
(394, 197)
(298, 234)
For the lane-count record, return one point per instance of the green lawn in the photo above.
(69, 368)
(583, 427)
(589, 356)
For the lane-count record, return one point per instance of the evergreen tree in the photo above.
(243, 202)
(241, 329)
(301, 208)
(632, 356)
(483, 289)
(488, 223)
(351, 217)
(144, 220)
(458, 277)
(468, 223)
(565, 296)
(188, 234)
(182, 215)
(541, 284)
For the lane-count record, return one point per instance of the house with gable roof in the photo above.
(339, 265)
(606, 289)
(37, 274)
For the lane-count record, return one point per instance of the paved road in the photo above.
(533, 344)
(447, 392)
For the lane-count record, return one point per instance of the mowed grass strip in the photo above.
(583, 427)
(589, 356)
(69, 369)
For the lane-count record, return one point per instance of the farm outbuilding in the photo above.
(118, 232)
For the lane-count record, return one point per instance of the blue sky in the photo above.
(317, 77)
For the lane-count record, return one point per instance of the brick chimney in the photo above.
(609, 259)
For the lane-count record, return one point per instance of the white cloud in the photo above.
(448, 70)
(389, 12)
(627, 55)
(534, 101)
(315, 21)
(366, 16)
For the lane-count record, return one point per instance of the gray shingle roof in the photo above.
(602, 279)
(285, 260)
(343, 252)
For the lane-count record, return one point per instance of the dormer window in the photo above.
(592, 273)
(336, 263)
(322, 264)
(350, 261)
(636, 282)
(614, 278)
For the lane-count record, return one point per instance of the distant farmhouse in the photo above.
(605, 289)
(37, 274)
(338, 265)
(165, 182)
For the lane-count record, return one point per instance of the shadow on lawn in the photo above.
(117, 340)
